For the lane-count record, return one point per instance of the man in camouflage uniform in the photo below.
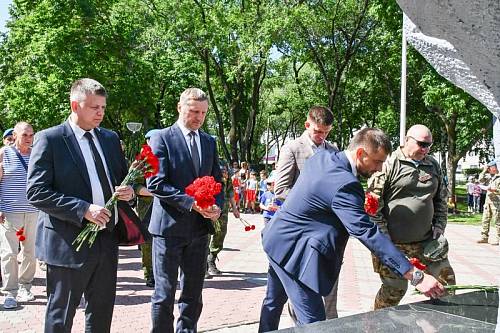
(217, 242)
(412, 211)
(143, 210)
(492, 203)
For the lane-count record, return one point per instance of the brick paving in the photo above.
(232, 301)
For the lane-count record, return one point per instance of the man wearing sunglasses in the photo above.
(412, 211)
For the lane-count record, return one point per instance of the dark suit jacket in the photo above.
(308, 235)
(59, 185)
(171, 213)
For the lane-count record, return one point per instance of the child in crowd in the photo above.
(262, 184)
(251, 192)
(268, 202)
(470, 194)
(476, 193)
(235, 179)
(242, 190)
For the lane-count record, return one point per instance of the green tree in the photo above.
(464, 119)
(232, 40)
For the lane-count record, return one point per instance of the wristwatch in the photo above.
(417, 277)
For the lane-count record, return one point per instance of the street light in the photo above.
(134, 128)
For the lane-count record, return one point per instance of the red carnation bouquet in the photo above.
(204, 190)
(145, 165)
(371, 203)
(19, 233)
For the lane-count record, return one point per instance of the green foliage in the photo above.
(263, 63)
(472, 171)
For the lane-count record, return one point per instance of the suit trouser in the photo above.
(308, 304)
(170, 254)
(273, 303)
(14, 276)
(96, 280)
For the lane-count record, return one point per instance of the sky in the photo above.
(4, 13)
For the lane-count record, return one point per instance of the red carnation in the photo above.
(371, 203)
(247, 224)
(148, 161)
(417, 264)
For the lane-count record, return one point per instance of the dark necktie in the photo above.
(103, 179)
(195, 155)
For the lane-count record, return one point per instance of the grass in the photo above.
(463, 217)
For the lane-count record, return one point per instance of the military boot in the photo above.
(483, 240)
(212, 267)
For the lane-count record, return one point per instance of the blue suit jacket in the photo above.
(171, 215)
(59, 185)
(308, 235)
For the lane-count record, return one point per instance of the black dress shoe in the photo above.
(150, 283)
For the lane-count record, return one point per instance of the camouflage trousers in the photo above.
(394, 287)
(491, 212)
(217, 241)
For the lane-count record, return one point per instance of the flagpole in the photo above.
(402, 119)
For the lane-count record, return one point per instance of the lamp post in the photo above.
(134, 128)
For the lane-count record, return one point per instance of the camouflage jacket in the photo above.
(493, 182)
(412, 198)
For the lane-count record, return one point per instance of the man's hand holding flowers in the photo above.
(146, 164)
(100, 215)
(203, 190)
(212, 212)
(428, 285)
(124, 193)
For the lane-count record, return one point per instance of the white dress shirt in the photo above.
(185, 132)
(315, 147)
(97, 194)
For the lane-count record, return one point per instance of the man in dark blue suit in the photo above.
(73, 170)
(305, 240)
(179, 227)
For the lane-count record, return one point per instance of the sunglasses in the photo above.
(422, 144)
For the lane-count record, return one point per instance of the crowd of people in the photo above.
(311, 204)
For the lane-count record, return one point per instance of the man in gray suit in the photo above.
(293, 155)
(291, 161)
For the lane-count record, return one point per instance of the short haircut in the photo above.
(320, 115)
(20, 126)
(83, 87)
(371, 139)
(195, 94)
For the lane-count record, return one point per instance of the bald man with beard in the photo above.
(412, 211)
